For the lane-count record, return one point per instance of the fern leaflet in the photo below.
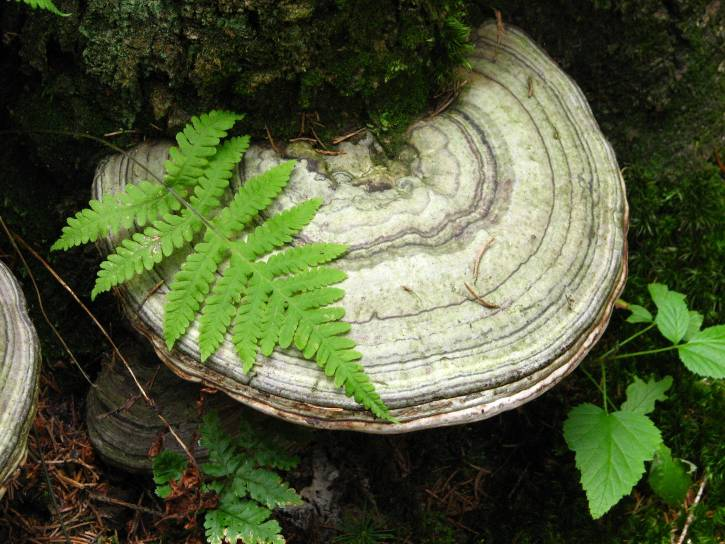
(47, 5)
(268, 295)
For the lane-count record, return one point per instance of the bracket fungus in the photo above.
(484, 259)
(19, 371)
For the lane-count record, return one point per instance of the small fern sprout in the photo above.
(239, 279)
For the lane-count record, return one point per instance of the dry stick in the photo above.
(119, 502)
(479, 299)
(341, 139)
(691, 515)
(100, 327)
(477, 264)
(271, 141)
(42, 306)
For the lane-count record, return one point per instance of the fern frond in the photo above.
(223, 457)
(190, 288)
(47, 5)
(171, 232)
(269, 295)
(254, 196)
(139, 203)
(235, 520)
(144, 250)
(280, 229)
(297, 259)
(221, 305)
(196, 143)
(310, 280)
(264, 486)
(266, 449)
(247, 327)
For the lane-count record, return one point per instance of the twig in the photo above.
(329, 152)
(341, 139)
(119, 132)
(500, 31)
(100, 327)
(119, 502)
(691, 515)
(317, 137)
(41, 306)
(480, 300)
(477, 264)
(271, 141)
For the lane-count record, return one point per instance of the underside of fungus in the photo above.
(19, 367)
(484, 259)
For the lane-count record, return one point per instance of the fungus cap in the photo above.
(484, 260)
(19, 371)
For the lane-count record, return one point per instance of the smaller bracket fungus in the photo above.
(19, 371)
(484, 260)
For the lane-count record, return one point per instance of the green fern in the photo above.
(239, 472)
(47, 5)
(269, 295)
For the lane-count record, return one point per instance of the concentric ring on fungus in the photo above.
(484, 260)
(19, 372)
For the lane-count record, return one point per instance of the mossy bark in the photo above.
(149, 65)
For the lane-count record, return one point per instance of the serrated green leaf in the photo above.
(704, 353)
(673, 318)
(167, 466)
(610, 450)
(641, 396)
(696, 319)
(668, 477)
(639, 314)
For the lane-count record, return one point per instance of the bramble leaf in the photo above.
(668, 477)
(672, 317)
(704, 353)
(610, 450)
(641, 396)
(696, 319)
(639, 314)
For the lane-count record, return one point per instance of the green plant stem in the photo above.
(598, 386)
(647, 352)
(625, 342)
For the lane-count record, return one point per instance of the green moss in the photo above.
(159, 61)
